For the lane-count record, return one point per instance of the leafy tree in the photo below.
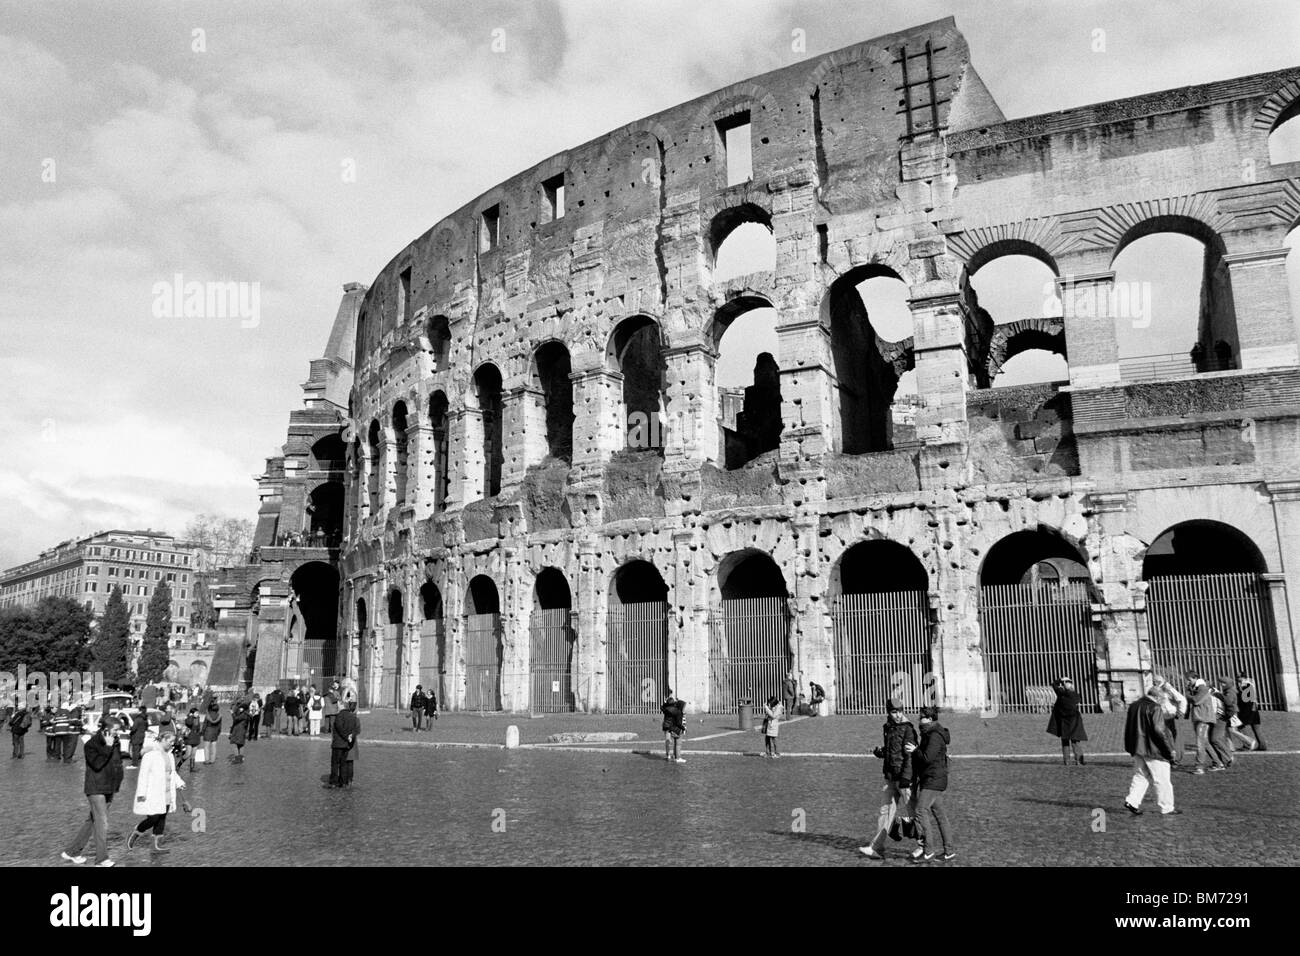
(157, 629)
(52, 636)
(112, 646)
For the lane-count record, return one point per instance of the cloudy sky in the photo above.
(133, 149)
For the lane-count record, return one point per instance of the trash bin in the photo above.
(746, 711)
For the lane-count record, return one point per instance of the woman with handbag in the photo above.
(1248, 710)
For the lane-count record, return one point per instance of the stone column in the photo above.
(1284, 589)
(1090, 336)
(590, 619)
(516, 608)
(688, 623)
(942, 379)
(600, 418)
(523, 417)
(1266, 330)
(422, 470)
(813, 641)
(808, 409)
(692, 433)
(467, 475)
(956, 648)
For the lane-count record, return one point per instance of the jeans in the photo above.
(96, 824)
(897, 800)
(209, 752)
(1206, 755)
(929, 807)
(1219, 741)
(69, 744)
(789, 703)
(417, 714)
(18, 744)
(1148, 771)
(329, 723)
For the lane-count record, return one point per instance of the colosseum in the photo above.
(528, 475)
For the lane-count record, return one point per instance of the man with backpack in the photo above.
(930, 780)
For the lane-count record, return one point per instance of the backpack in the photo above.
(315, 703)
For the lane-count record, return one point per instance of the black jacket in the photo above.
(674, 716)
(1145, 733)
(20, 722)
(898, 762)
(418, 700)
(346, 727)
(103, 766)
(930, 759)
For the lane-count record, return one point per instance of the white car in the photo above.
(117, 704)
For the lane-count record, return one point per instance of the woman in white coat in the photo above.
(155, 790)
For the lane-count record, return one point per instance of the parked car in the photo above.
(118, 704)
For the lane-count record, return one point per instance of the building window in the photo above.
(490, 229)
(404, 295)
(183, 593)
(112, 572)
(734, 136)
(127, 572)
(171, 575)
(553, 196)
(185, 579)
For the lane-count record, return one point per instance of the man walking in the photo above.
(1204, 715)
(19, 723)
(930, 776)
(417, 707)
(103, 759)
(896, 751)
(1147, 742)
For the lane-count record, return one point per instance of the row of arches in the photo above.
(1209, 612)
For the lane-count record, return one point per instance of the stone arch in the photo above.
(1283, 101)
(877, 565)
(1014, 338)
(724, 222)
(1014, 556)
(847, 57)
(551, 371)
(733, 99)
(750, 416)
(1202, 546)
(635, 349)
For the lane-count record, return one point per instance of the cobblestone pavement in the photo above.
(428, 805)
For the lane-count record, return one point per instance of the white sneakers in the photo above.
(73, 859)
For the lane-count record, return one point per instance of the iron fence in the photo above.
(551, 661)
(882, 650)
(1215, 625)
(482, 662)
(749, 651)
(636, 661)
(1031, 635)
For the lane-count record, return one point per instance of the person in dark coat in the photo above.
(19, 723)
(238, 732)
(331, 709)
(1248, 710)
(292, 704)
(103, 759)
(674, 725)
(47, 728)
(1066, 721)
(343, 746)
(1147, 742)
(790, 694)
(930, 781)
(417, 707)
(430, 707)
(211, 732)
(139, 728)
(895, 819)
(193, 735)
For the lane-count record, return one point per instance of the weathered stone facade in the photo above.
(855, 176)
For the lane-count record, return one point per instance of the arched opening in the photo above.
(1032, 366)
(1172, 302)
(487, 393)
(552, 639)
(553, 368)
(1284, 138)
(1209, 611)
(636, 651)
(636, 352)
(372, 476)
(1036, 626)
(325, 515)
(749, 632)
(865, 377)
(399, 450)
(880, 611)
(441, 427)
(1027, 352)
(1016, 284)
(748, 379)
(313, 614)
(391, 684)
(741, 242)
(483, 649)
(327, 454)
(433, 642)
(439, 332)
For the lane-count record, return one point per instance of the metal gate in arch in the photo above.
(1032, 634)
(1215, 625)
(482, 662)
(749, 651)
(636, 657)
(550, 661)
(882, 650)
